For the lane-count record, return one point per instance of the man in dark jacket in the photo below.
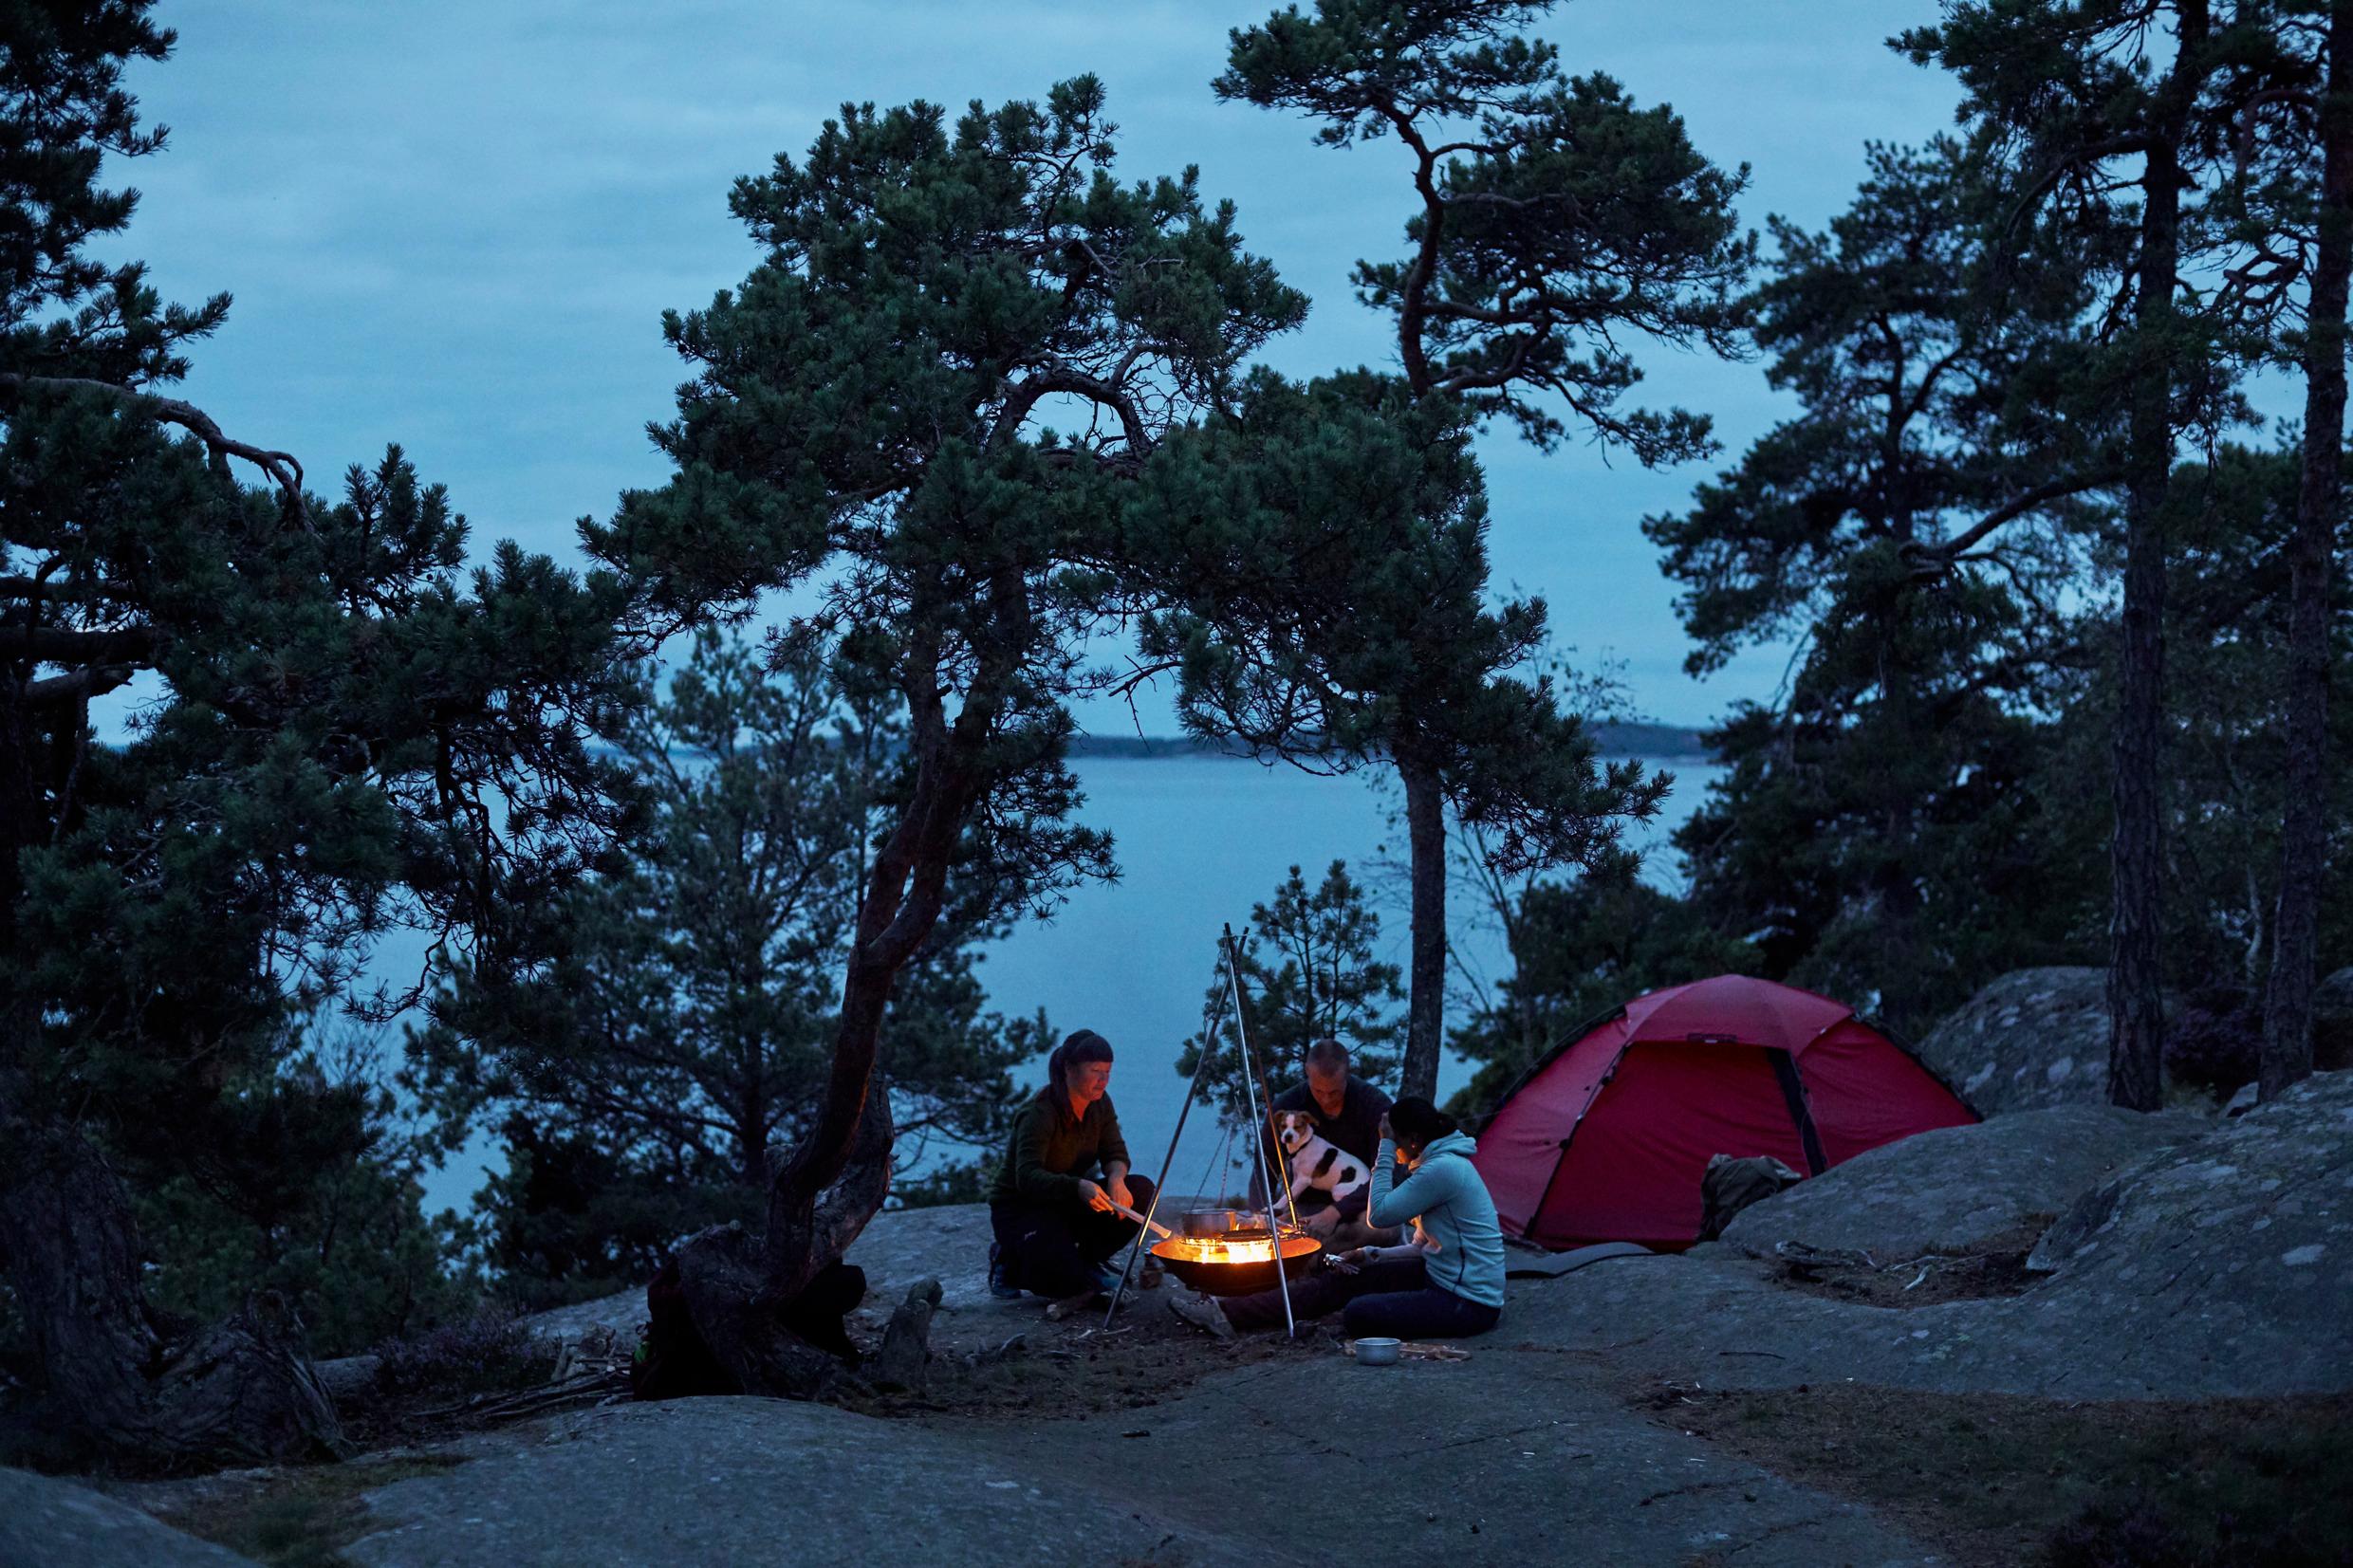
(1348, 1114)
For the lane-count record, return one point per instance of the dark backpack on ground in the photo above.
(1732, 1184)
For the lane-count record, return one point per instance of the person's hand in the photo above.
(1096, 1199)
(1321, 1224)
(1385, 1135)
(1345, 1262)
(1119, 1193)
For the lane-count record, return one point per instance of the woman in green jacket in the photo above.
(1056, 1225)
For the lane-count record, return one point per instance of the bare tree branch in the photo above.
(1939, 557)
(1026, 393)
(57, 645)
(79, 687)
(282, 470)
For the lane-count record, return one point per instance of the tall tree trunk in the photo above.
(2136, 981)
(132, 1385)
(2303, 830)
(119, 1378)
(1425, 1016)
(1897, 877)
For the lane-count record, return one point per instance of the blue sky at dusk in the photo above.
(456, 226)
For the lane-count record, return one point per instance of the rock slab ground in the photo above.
(1953, 1188)
(2237, 1247)
(45, 1522)
(1510, 1454)
(2335, 993)
(1516, 1455)
(766, 1481)
(2222, 1266)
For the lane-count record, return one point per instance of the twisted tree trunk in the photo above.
(2303, 830)
(825, 1190)
(132, 1384)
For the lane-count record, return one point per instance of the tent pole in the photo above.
(1258, 1133)
(1159, 1188)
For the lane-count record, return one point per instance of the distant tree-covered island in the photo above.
(1656, 742)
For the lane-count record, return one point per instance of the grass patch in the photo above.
(2004, 1479)
(302, 1519)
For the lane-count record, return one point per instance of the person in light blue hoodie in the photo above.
(1444, 1282)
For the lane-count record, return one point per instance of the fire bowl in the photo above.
(1235, 1266)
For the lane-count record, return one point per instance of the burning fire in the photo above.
(1216, 1249)
(1229, 1249)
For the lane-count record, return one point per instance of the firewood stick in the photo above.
(1157, 1229)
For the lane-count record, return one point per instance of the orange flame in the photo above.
(1220, 1249)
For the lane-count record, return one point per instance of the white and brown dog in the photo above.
(1315, 1160)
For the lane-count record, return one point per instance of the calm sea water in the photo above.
(1200, 841)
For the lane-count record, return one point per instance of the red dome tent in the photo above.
(1607, 1138)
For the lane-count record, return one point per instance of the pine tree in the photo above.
(2081, 102)
(2293, 182)
(309, 1185)
(684, 1028)
(1918, 528)
(340, 735)
(2229, 615)
(1309, 973)
(1554, 218)
(867, 420)
(1321, 562)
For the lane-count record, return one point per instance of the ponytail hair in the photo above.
(1078, 1047)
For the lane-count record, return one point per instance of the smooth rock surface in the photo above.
(621, 1314)
(2032, 1038)
(2248, 1231)
(949, 1243)
(766, 1481)
(45, 1522)
(1952, 1187)
(348, 1377)
(1517, 1455)
(2335, 993)
(2223, 1267)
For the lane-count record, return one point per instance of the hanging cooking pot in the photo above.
(1222, 1221)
